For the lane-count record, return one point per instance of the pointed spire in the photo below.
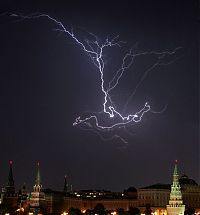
(10, 175)
(38, 178)
(176, 168)
(175, 187)
(10, 188)
(24, 188)
(175, 205)
(65, 185)
(38, 185)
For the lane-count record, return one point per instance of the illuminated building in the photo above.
(37, 199)
(175, 206)
(89, 204)
(157, 196)
(190, 192)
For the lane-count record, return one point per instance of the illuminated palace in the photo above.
(159, 199)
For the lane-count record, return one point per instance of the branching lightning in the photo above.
(95, 49)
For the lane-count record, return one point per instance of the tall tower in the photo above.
(38, 185)
(175, 206)
(65, 189)
(10, 187)
(8, 196)
(37, 196)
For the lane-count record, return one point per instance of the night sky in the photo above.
(46, 81)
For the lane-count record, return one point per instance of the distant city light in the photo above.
(20, 210)
(64, 213)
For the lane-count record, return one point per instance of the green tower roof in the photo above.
(38, 177)
(176, 168)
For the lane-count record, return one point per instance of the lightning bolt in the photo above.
(95, 49)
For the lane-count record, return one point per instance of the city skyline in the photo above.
(37, 173)
(179, 197)
(47, 81)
